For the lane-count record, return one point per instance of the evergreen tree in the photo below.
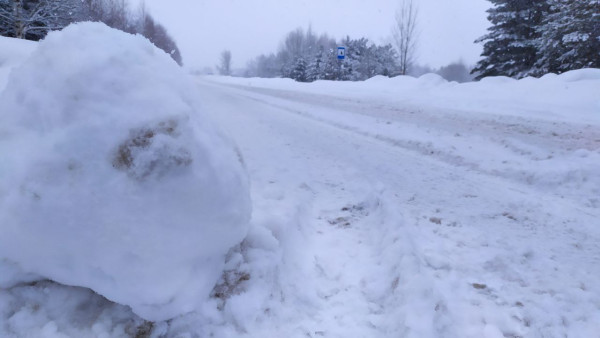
(333, 66)
(299, 71)
(300, 44)
(386, 61)
(365, 60)
(570, 37)
(510, 47)
(359, 60)
(316, 67)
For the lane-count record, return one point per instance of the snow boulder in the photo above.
(12, 52)
(111, 177)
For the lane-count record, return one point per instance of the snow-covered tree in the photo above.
(332, 69)
(510, 47)
(299, 72)
(32, 19)
(300, 44)
(357, 64)
(292, 47)
(386, 60)
(570, 36)
(306, 56)
(364, 60)
(315, 69)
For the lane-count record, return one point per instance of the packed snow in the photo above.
(112, 176)
(387, 208)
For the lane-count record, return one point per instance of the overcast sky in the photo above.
(203, 28)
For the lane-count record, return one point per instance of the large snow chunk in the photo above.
(111, 177)
(12, 53)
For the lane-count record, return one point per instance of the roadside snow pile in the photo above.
(12, 52)
(569, 96)
(111, 178)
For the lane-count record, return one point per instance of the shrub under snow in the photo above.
(111, 178)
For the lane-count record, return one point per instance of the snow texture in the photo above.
(395, 207)
(12, 54)
(112, 177)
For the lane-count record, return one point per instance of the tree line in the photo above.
(306, 56)
(33, 19)
(526, 38)
(536, 37)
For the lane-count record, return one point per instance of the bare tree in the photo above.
(114, 13)
(225, 63)
(405, 34)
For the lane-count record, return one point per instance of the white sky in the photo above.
(203, 28)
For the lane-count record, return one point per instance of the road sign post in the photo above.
(341, 53)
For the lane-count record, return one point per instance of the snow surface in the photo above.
(406, 221)
(389, 208)
(555, 117)
(12, 54)
(112, 178)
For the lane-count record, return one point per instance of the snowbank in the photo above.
(111, 176)
(574, 93)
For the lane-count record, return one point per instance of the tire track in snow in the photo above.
(475, 273)
(331, 274)
(588, 138)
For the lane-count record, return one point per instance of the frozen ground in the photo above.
(390, 208)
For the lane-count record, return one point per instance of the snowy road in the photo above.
(401, 235)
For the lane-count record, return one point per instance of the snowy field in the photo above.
(388, 208)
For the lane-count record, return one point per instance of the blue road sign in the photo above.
(341, 53)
